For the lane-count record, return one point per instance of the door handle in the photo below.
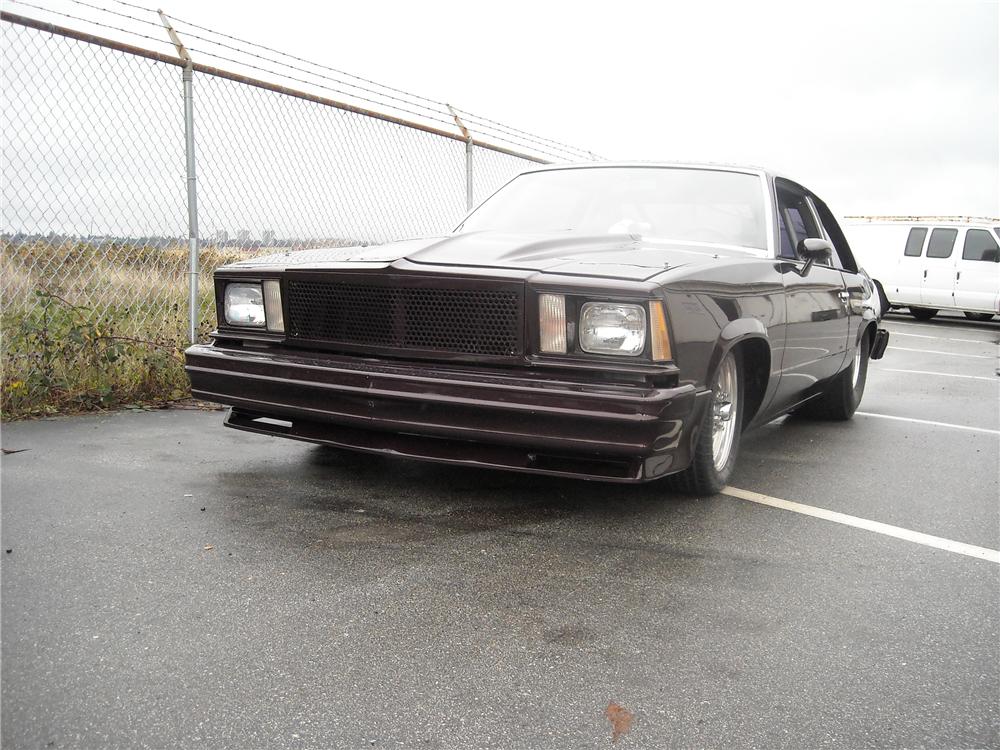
(844, 296)
(925, 273)
(958, 275)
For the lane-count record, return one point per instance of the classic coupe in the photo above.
(616, 322)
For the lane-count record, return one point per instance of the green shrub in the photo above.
(59, 357)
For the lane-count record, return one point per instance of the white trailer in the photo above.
(931, 263)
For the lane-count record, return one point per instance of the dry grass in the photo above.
(85, 327)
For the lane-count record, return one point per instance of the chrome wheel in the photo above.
(725, 391)
(856, 367)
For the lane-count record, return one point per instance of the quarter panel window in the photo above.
(915, 242)
(980, 245)
(942, 243)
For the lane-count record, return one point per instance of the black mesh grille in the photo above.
(462, 321)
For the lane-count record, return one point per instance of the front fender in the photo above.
(757, 360)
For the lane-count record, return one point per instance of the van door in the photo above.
(977, 274)
(937, 287)
(904, 288)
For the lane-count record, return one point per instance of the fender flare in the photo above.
(867, 328)
(735, 332)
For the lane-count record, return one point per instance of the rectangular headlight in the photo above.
(244, 305)
(613, 328)
(552, 323)
(272, 306)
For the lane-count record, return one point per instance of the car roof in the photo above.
(715, 167)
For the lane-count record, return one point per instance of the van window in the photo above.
(980, 245)
(915, 241)
(942, 243)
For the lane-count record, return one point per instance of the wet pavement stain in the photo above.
(569, 635)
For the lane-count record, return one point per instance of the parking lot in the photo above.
(170, 583)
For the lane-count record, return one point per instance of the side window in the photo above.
(915, 242)
(942, 243)
(795, 221)
(842, 258)
(980, 245)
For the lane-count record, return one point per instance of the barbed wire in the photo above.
(375, 93)
(439, 105)
(442, 106)
(92, 22)
(188, 34)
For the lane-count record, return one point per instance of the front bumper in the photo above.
(486, 417)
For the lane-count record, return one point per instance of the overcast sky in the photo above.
(880, 107)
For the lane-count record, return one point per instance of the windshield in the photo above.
(689, 205)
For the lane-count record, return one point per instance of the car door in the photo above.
(816, 317)
(937, 287)
(857, 285)
(977, 273)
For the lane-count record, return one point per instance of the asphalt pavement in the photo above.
(170, 583)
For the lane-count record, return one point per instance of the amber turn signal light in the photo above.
(660, 339)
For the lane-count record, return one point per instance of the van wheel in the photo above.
(719, 434)
(923, 313)
(842, 396)
(979, 317)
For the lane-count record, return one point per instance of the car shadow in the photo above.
(324, 497)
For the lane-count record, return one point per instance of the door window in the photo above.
(795, 221)
(942, 243)
(915, 242)
(980, 245)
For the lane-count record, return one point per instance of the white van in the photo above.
(931, 263)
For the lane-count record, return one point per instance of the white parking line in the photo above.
(938, 338)
(941, 374)
(938, 328)
(947, 354)
(928, 421)
(917, 537)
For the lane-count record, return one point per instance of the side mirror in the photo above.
(813, 249)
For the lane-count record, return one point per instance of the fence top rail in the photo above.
(99, 41)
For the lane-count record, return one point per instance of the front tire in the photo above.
(718, 442)
(842, 396)
(923, 313)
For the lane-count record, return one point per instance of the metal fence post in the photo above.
(192, 185)
(192, 201)
(469, 145)
(468, 175)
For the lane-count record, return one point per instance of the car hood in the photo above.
(618, 256)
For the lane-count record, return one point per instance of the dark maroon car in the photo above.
(611, 322)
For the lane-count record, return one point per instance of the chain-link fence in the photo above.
(94, 193)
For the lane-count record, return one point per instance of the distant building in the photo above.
(268, 237)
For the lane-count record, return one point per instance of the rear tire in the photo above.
(718, 442)
(979, 317)
(923, 313)
(842, 396)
